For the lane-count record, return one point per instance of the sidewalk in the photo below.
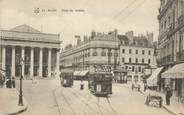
(9, 102)
(175, 108)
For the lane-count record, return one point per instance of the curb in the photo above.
(18, 112)
(169, 110)
(22, 110)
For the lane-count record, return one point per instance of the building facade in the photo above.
(121, 54)
(38, 51)
(136, 54)
(171, 40)
(99, 49)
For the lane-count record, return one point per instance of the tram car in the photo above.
(66, 79)
(100, 84)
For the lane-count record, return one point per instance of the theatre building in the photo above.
(27, 51)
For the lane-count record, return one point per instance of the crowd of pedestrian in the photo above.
(9, 82)
(2, 80)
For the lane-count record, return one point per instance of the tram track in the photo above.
(84, 102)
(100, 108)
(67, 102)
(114, 111)
(87, 100)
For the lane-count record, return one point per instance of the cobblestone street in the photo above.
(48, 97)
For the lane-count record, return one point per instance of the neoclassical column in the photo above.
(41, 62)
(23, 57)
(49, 62)
(13, 62)
(4, 58)
(57, 63)
(32, 62)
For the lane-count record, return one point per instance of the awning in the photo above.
(153, 79)
(83, 73)
(176, 71)
(76, 73)
(80, 73)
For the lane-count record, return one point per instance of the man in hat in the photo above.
(168, 95)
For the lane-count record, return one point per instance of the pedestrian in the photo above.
(168, 95)
(9, 83)
(1, 80)
(81, 85)
(145, 85)
(13, 82)
(4, 79)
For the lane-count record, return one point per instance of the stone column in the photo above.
(41, 62)
(4, 58)
(23, 57)
(49, 62)
(13, 62)
(57, 63)
(32, 62)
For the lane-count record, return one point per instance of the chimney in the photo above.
(85, 39)
(78, 41)
(115, 32)
(130, 35)
(93, 34)
(150, 37)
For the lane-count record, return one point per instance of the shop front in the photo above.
(120, 76)
(175, 78)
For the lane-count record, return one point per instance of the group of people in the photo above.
(10, 82)
(2, 80)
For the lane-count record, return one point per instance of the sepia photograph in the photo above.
(91, 57)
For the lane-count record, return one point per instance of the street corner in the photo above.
(10, 99)
(17, 109)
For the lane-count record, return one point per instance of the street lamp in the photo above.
(20, 92)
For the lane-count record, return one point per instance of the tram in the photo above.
(100, 83)
(66, 79)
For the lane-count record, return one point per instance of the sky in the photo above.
(79, 17)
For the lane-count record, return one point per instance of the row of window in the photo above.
(136, 51)
(95, 53)
(136, 60)
(103, 53)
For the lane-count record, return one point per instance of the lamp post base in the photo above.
(20, 101)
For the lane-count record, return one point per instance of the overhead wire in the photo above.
(124, 9)
(132, 11)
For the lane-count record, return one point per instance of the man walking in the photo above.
(168, 95)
